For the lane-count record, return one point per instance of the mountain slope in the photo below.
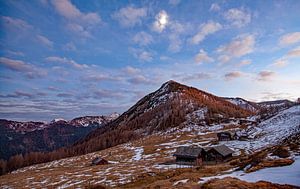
(251, 106)
(270, 131)
(166, 108)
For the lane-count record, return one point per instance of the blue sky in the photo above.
(65, 58)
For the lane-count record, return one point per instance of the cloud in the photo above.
(214, 7)
(177, 29)
(161, 21)
(174, 2)
(67, 61)
(78, 22)
(205, 29)
(52, 88)
(15, 65)
(18, 94)
(239, 47)
(280, 62)
(284, 60)
(70, 47)
(145, 56)
(18, 25)
(65, 95)
(79, 30)
(294, 52)
(165, 58)
(265, 75)
(70, 11)
(289, 39)
(175, 43)
(131, 70)
(143, 38)
(102, 93)
(232, 75)
(130, 16)
(99, 77)
(276, 96)
(224, 58)
(21, 94)
(202, 57)
(15, 53)
(245, 62)
(196, 76)
(15, 23)
(141, 55)
(238, 17)
(45, 41)
(139, 79)
(29, 70)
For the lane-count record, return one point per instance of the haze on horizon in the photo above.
(69, 58)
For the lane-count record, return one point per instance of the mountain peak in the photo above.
(171, 82)
(171, 86)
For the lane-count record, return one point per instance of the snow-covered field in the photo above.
(281, 175)
(271, 131)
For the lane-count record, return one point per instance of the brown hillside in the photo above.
(163, 109)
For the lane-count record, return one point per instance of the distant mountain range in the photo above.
(23, 137)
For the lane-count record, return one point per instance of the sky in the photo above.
(70, 58)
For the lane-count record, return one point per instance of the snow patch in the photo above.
(281, 175)
(138, 153)
(180, 181)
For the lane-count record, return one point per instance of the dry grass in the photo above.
(271, 163)
(282, 152)
(126, 173)
(234, 183)
(166, 179)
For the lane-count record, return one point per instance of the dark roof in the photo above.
(223, 150)
(231, 133)
(98, 160)
(188, 151)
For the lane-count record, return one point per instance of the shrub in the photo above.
(281, 152)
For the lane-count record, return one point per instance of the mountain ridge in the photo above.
(25, 137)
(164, 108)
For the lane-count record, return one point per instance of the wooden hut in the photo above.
(241, 135)
(217, 153)
(188, 155)
(99, 161)
(224, 136)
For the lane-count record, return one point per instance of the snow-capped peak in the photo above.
(114, 115)
(58, 120)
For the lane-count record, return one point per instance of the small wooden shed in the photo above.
(189, 155)
(218, 153)
(224, 136)
(99, 161)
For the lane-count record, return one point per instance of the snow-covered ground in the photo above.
(281, 175)
(180, 181)
(138, 154)
(270, 131)
(241, 103)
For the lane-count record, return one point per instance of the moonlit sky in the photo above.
(63, 58)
